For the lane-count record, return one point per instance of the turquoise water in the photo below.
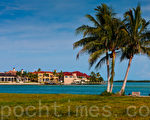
(144, 88)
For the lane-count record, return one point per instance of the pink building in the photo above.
(73, 77)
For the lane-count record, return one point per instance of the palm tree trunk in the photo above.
(112, 70)
(125, 79)
(112, 85)
(108, 74)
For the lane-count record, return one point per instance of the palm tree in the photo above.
(137, 38)
(33, 77)
(60, 76)
(94, 39)
(98, 75)
(113, 36)
(93, 77)
(39, 70)
(55, 73)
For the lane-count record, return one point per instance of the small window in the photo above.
(70, 76)
(66, 76)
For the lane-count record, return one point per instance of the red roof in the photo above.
(79, 74)
(67, 73)
(11, 72)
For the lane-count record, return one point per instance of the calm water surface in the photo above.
(144, 88)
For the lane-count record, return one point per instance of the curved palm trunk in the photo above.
(108, 74)
(125, 79)
(112, 70)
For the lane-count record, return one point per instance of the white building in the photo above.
(75, 77)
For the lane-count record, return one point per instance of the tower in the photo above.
(14, 69)
(22, 71)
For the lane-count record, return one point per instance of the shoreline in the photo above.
(34, 83)
(20, 84)
(46, 84)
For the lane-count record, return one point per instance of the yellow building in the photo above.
(46, 77)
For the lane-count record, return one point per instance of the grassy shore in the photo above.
(72, 107)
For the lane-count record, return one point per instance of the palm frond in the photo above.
(85, 29)
(146, 50)
(94, 56)
(102, 61)
(92, 19)
(84, 41)
(87, 47)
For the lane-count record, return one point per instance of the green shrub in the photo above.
(123, 94)
(105, 93)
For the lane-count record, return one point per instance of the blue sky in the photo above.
(40, 33)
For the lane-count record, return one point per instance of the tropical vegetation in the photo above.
(96, 77)
(110, 36)
(26, 76)
(137, 38)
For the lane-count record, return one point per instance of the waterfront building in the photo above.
(12, 72)
(9, 76)
(46, 77)
(13, 76)
(75, 77)
(5, 77)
